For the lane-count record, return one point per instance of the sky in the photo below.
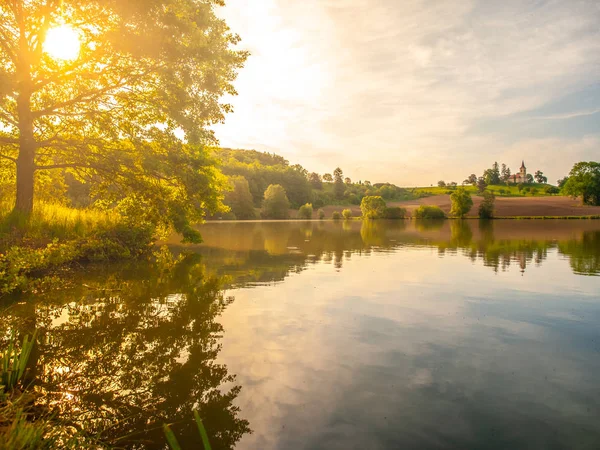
(416, 91)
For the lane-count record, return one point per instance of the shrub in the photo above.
(550, 190)
(429, 212)
(336, 215)
(486, 209)
(321, 214)
(347, 214)
(305, 212)
(395, 213)
(461, 202)
(276, 203)
(373, 207)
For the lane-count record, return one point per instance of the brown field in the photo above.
(505, 206)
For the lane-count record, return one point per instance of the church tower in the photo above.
(523, 172)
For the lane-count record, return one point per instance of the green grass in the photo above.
(497, 190)
(52, 221)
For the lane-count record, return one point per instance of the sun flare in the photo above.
(62, 43)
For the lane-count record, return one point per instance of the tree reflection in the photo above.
(584, 254)
(498, 244)
(119, 362)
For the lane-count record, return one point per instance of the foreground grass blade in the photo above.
(202, 431)
(171, 439)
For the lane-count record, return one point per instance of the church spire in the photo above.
(523, 164)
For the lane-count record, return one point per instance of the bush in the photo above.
(373, 207)
(336, 215)
(486, 209)
(347, 214)
(305, 212)
(429, 212)
(550, 190)
(321, 214)
(395, 213)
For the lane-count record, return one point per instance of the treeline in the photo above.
(253, 175)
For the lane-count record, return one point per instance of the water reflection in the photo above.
(261, 252)
(410, 339)
(136, 349)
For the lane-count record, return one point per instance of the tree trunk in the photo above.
(27, 144)
(26, 159)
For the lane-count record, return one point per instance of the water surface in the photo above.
(320, 335)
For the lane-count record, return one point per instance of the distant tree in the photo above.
(315, 180)
(336, 215)
(561, 182)
(529, 178)
(372, 207)
(276, 203)
(327, 177)
(472, 179)
(298, 168)
(495, 174)
(481, 184)
(347, 180)
(461, 202)
(347, 214)
(584, 182)
(505, 174)
(240, 199)
(520, 187)
(453, 184)
(305, 212)
(367, 183)
(441, 183)
(338, 186)
(486, 208)
(321, 214)
(540, 178)
(387, 191)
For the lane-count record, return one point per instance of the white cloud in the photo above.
(391, 90)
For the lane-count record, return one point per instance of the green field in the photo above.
(532, 190)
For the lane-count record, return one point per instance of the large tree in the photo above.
(145, 72)
(584, 182)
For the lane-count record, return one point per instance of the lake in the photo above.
(326, 335)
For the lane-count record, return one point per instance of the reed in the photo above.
(14, 360)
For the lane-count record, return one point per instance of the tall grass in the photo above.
(52, 221)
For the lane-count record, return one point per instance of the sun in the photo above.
(62, 43)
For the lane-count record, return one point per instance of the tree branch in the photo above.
(8, 157)
(63, 166)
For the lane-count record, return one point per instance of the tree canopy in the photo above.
(461, 202)
(373, 207)
(112, 116)
(584, 182)
(276, 203)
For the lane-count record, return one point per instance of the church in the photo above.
(520, 177)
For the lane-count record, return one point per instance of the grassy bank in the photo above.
(54, 237)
